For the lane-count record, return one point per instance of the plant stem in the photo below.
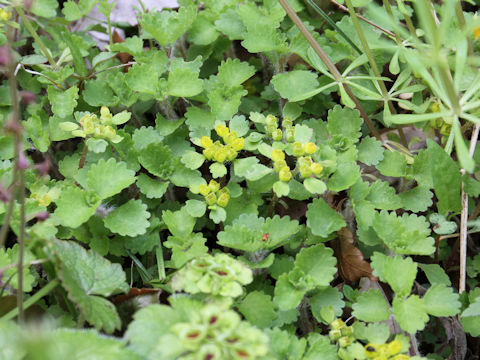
(328, 63)
(19, 169)
(332, 23)
(8, 214)
(464, 219)
(83, 157)
(32, 300)
(343, 8)
(271, 208)
(21, 246)
(35, 36)
(462, 23)
(373, 64)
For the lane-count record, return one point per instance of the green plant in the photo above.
(278, 187)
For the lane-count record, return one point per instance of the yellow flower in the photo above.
(476, 32)
(277, 155)
(206, 142)
(5, 15)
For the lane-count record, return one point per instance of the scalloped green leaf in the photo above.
(370, 151)
(322, 219)
(179, 223)
(157, 159)
(393, 164)
(408, 234)
(410, 313)
(258, 308)
(88, 278)
(294, 84)
(108, 178)
(440, 300)
(234, 72)
(63, 102)
(151, 188)
(400, 273)
(130, 219)
(167, 26)
(317, 262)
(75, 206)
(371, 306)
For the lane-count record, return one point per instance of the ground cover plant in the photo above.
(240, 180)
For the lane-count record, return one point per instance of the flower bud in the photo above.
(287, 122)
(270, 128)
(278, 165)
(213, 186)
(316, 168)
(277, 155)
(206, 142)
(204, 189)
(345, 341)
(220, 155)
(298, 149)
(285, 174)
(223, 200)
(310, 148)
(271, 120)
(337, 324)
(209, 152)
(335, 335)
(108, 132)
(211, 199)
(238, 144)
(231, 153)
(290, 135)
(347, 331)
(231, 137)
(277, 135)
(222, 130)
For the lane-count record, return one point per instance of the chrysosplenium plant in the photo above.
(240, 180)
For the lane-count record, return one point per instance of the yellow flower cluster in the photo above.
(276, 133)
(5, 15)
(219, 152)
(385, 351)
(214, 195)
(305, 164)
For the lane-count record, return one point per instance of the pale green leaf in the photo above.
(410, 313)
(87, 277)
(130, 219)
(371, 306)
(322, 219)
(258, 309)
(440, 300)
(108, 178)
(75, 206)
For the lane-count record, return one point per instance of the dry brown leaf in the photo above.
(351, 264)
